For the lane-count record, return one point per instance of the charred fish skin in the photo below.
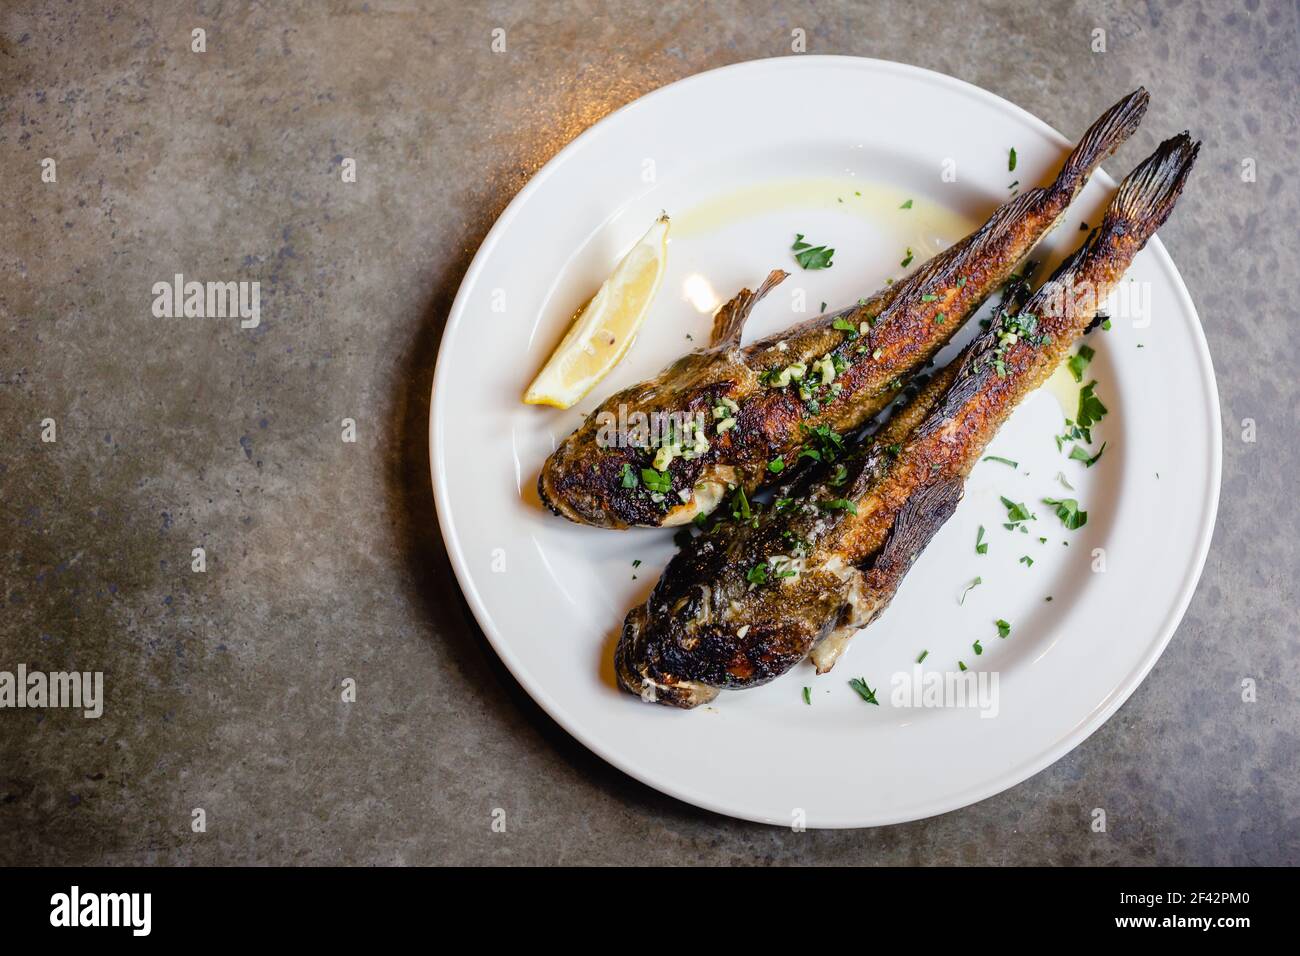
(740, 605)
(711, 622)
(747, 408)
(712, 578)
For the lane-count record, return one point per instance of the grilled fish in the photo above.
(727, 416)
(745, 602)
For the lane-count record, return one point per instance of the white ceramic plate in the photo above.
(742, 158)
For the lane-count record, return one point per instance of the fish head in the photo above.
(686, 643)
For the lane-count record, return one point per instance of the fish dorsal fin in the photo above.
(729, 321)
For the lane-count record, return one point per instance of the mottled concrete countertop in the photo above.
(323, 560)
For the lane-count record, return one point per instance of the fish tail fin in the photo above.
(1140, 206)
(730, 320)
(1147, 195)
(1103, 137)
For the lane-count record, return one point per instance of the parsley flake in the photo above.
(1078, 362)
(1067, 509)
(865, 692)
(809, 256)
(656, 481)
(1081, 454)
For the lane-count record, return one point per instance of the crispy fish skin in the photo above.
(586, 479)
(708, 626)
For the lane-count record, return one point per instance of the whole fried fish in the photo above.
(745, 602)
(727, 416)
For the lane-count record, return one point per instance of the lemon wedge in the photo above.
(602, 333)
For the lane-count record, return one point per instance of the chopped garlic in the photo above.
(786, 567)
(795, 372)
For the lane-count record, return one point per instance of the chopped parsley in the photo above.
(776, 466)
(1081, 454)
(1067, 509)
(1005, 461)
(974, 584)
(906, 205)
(1078, 362)
(929, 298)
(981, 546)
(807, 696)
(1091, 409)
(1072, 432)
(844, 325)
(1011, 160)
(961, 665)
(809, 256)
(826, 444)
(1027, 561)
(907, 259)
(629, 476)
(757, 574)
(1016, 513)
(977, 648)
(923, 656)
(1004, 628)
(636, 563)
(740, 506)
(656, 481)
(865, 692)
(839, 504)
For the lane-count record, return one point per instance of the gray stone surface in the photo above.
(325, 559)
